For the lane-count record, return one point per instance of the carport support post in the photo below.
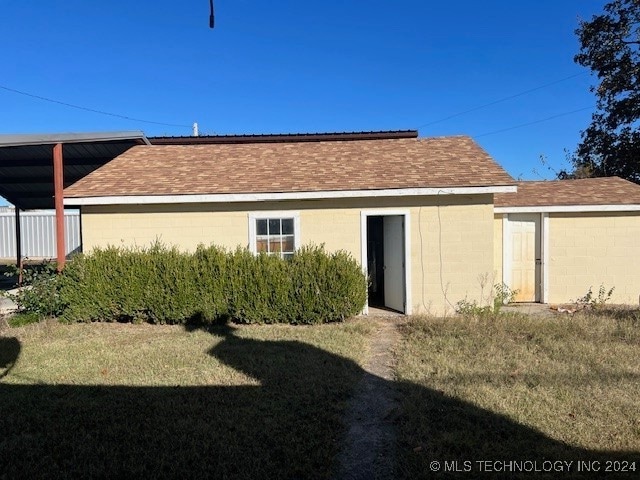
(18, 239)
(58, 185)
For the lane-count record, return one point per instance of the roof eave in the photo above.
(569, 208)
(279, 196)
(16, 140)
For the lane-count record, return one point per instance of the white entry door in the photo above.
(525, 256)
(393, 245)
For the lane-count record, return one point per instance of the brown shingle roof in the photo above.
(586, 191)
(294, 167)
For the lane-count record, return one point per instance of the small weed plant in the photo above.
(502, 295)
(598, 301)
(471, 308)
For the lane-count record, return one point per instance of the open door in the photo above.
(385, 244)
(393, 232)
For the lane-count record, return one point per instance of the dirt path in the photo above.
(368, 450)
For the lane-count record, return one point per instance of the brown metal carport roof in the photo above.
(26, 162)
(35, 168)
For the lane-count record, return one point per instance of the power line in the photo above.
(495, 102)
(101, 112)
(564, 114)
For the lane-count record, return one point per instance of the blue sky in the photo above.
(282, 66)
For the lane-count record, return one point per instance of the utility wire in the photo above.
(495, 102)
(564, 114)
(26, 94)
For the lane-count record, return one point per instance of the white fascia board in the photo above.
(569, 209)
(265, 197)
(17, 140)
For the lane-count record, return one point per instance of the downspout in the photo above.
(58, 185)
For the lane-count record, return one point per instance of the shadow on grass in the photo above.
(288, 426)
(9, 353)
(438, 427)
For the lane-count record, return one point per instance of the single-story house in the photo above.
(556, 239)
(432, 220)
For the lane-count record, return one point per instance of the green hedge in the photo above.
(163, 285)
(325, 286)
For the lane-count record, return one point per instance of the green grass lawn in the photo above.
(112, 400)
(519, 388)
(122, 400)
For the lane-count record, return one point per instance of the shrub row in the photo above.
(41, 297)
(163, 285)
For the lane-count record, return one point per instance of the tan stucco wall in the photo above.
(452, 237)
(588, 250)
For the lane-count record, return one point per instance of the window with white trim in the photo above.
(274, 234)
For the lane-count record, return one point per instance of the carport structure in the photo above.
(35, 169)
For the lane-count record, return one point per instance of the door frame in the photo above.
(407, 251)
(542, 294)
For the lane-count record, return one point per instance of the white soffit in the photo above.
(569, 209)
(264, 197)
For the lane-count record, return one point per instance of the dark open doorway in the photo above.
(385, 262)
(375, 261)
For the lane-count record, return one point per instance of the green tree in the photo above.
(610, 47)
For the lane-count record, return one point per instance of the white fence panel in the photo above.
(38, 233)
(7, 236)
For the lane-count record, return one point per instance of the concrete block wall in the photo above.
(593, 249)
(452, 254)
